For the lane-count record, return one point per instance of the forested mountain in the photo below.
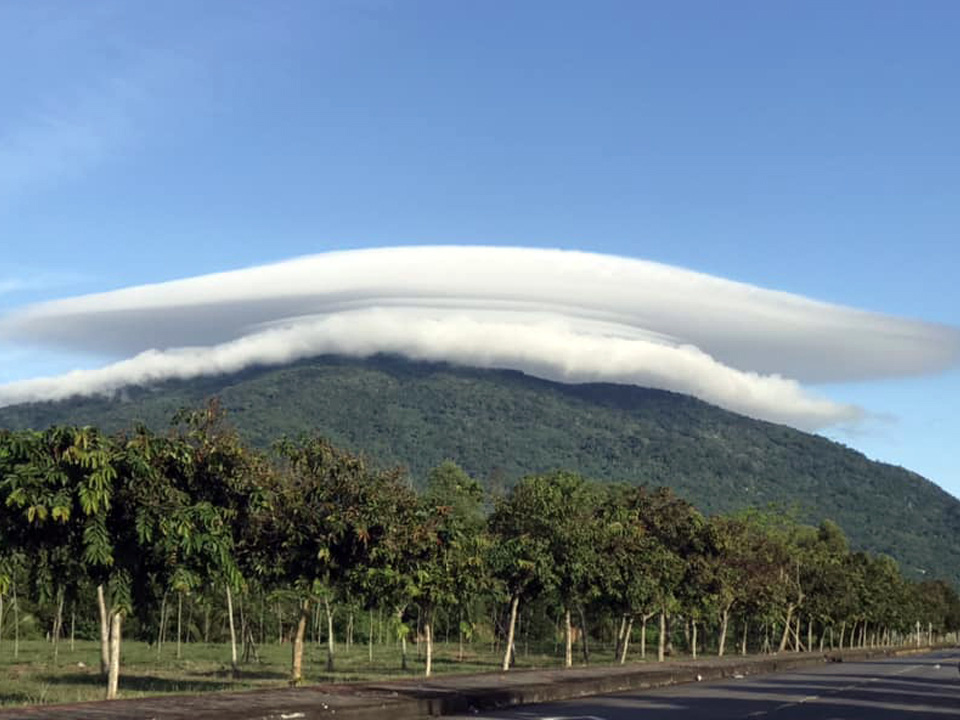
(500, 425)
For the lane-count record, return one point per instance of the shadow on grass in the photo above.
(16, 698)
(141, 683)
(245, 674)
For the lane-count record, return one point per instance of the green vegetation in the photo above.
(34, 678)
(502, 425)
(128, 536)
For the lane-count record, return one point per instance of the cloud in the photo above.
(567, 316)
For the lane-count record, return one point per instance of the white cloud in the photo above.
(566, 316)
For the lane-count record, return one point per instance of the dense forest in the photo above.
(502, 425)
(128, 522)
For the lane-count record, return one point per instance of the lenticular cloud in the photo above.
(567, 316)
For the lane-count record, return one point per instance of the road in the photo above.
(925, 687)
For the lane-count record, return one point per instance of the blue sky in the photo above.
(807, 147)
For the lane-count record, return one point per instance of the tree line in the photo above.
(137, 522)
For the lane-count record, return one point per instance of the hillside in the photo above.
(502, 424)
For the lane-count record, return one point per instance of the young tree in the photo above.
(327, 514)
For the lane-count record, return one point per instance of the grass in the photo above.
(34, 677)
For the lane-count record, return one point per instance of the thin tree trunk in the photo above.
(1, 620)
(809, 634)
(584, 640)
(296, 671)
(58, 626)
(843, 629)
(403, 639)
(233, 635)
(418, 632)
(370, 636)
(662, 640)
(279, 623)
(113, 675)
(620, 631)
(331, 647)
(428, 633)
(724, 621)
(460, 629)
(511, 629)
(73, 626)
(160, 628)
(743, 643)
(643, 636)
(568, 639)
(625, 645)
(693, 637)
(16, 623)
(787, 627)
(104, 632)
(179, 624)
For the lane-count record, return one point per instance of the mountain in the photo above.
(501, 424)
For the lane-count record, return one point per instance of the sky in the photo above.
(753, 157)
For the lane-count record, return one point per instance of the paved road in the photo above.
(925, 687)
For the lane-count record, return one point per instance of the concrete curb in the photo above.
(446, 695)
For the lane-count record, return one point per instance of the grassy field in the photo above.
(34, 677)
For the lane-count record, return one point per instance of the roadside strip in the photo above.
(445, 695)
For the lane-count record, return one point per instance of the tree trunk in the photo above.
(160, 627)
(179, 623)
(16, 623)
(668, 649)
(743, 643)
(625, 645)
(568, 639)
(724, 621)
(233, 635)
(113, 674)
(643, 636)
(370, 636)
(809, 634)
(296, 671)
(58, 625)
(693, 637)
(331, 647)
(584, 647)
(428, 633)
(403, 639)
(104, 632)
(73, 625)
(511, 629)
(662, 641)
(843, 630)
(460, 638)
(279, 623)
(787, 627)
(620, 630)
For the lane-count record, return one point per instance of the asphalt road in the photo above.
(924, 687)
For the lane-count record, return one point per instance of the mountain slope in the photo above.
(502, 424)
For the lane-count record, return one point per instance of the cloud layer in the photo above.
(561, 315)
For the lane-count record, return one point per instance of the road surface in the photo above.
(924, 687)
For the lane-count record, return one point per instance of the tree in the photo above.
(561, 513)
(328, 512)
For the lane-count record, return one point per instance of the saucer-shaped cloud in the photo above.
(568, 316)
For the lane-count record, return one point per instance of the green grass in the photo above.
(35, 678)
